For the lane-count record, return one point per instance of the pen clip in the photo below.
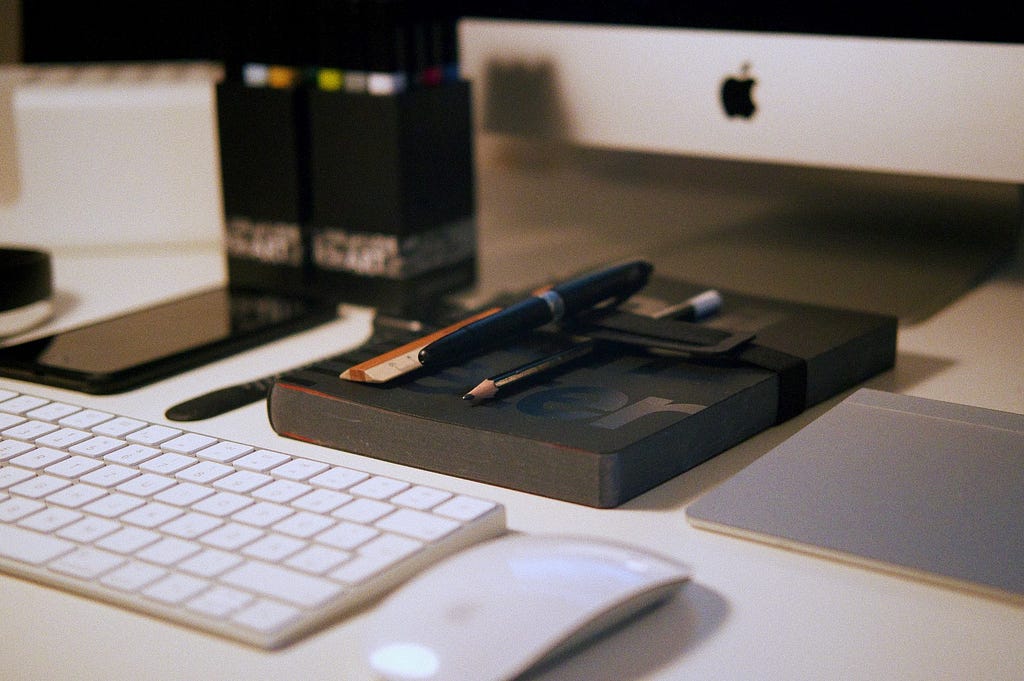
(665, 334)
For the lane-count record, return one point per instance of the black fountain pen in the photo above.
(614, 283)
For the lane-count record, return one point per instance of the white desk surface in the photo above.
(752, 612)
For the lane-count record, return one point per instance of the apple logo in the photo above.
(737, 94)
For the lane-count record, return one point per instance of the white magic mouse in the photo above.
(498, 608)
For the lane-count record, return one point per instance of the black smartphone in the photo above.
(140, 347)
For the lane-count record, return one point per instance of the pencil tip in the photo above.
(482, 392)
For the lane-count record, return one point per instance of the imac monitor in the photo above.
(936, 93)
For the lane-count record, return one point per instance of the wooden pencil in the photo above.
(489, 387)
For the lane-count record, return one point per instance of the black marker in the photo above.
(221, 401)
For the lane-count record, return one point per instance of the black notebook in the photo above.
(929, 489)
(608, 427)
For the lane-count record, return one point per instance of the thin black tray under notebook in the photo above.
(610, 426)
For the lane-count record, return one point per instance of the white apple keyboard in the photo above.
(248, 543)
(502, 607)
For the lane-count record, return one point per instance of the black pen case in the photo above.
(349, 196)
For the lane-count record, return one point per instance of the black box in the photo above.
(368, 282)
(393, 214)
(607, 428)
(264, 150)
(394, 164)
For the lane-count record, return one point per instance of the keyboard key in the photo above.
(220, 601)
(242, 481)
(110, 475)
(364, 510)
(262, 514)
(8, 420)
(18, 507)
(191, 525)
(76, 495)
(12, 448)
(266, 616)
(338, 478)
(128, 540)
(204, 472)
(223, 503)
(63, 437)
(39, 486)
(50, 519)
(318, 559)
(97, 446)
(304, 524)
(176, 588)
(321, 500)
(85, 419)
(211, 562)
(274, 547)
(29, 430)
(146, 484)
(152, 514)
(89, 529)
(188, 443)
(347, 535)
(113, 505)
(281, 491)
(184, 494)
(119, 426)
(167, 464)
(86, 562)
(465, 508)
(421, 498)
(168, 551)
(390, 547)
(152, 435)
(132, 455)
(74, 466)
(299, 469)
(261, 460)
(232, 536)
(31, 547)
(417, 524)
(21, 404)
(38, 458)
(133, 576)
(223, 452)
(377, 559)
(54, 411)
(379, 488)
(9, 475)
(283, 583)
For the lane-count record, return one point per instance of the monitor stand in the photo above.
(897, 244)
